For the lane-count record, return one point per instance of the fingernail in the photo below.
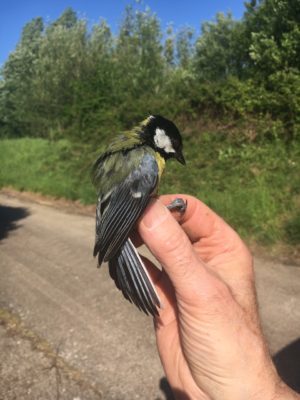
(155, 215)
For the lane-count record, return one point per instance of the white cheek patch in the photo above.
(163, 141)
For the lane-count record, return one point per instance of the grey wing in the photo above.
(118, 211)
(132, 278)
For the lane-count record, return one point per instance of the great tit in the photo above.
(126, 176)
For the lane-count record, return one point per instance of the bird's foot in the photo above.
(178, 205)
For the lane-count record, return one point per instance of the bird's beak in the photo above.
(179, 157)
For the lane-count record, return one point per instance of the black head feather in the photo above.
(162, 134)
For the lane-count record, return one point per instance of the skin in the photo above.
(208, 332)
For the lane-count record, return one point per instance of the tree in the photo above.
(217, 50)
(139, 63)
(184, 46)
(272, 28)
(59, 69)
(68, 19)
(169, 46)
(17, 74)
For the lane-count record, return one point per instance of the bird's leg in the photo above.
(177, 205)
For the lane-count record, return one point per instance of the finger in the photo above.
(211, 235)
(189, 219)
(220, 247)
(198, 221)
(172, 248)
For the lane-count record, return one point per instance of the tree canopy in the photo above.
(64, 79)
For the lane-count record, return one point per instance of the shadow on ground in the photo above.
(169, 394)
(9, 217)
(166, 389)
(287, 362)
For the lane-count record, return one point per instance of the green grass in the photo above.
(254, 186)
(52, 168)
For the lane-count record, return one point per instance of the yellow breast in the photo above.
(161, 163)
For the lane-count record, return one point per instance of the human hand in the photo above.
(208, 332)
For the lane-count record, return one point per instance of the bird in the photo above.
(126, 176)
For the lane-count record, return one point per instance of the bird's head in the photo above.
(163, 136)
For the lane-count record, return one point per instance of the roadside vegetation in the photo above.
(234, 91)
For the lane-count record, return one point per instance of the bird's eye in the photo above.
(175, 143)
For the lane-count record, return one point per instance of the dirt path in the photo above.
(78, 338)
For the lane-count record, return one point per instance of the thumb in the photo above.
(172, 248)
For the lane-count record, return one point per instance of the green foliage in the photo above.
(169, 47)
(217, 49)
(272, 29)
(245, 183)
(64, 80)
(184, 47)
(254, 186)
(139, 66)
(53, 168)
(292, 228)
(67, 20)
(16, 95)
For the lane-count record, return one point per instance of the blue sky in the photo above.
(15, 14)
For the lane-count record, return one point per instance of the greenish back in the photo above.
(118, 161)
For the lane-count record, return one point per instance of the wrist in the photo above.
(265, 384)
(284, 392)
(274, 388)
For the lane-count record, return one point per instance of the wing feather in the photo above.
(121, 202)
(127, 202)
(132, 278)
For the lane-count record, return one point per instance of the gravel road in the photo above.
(67, 333)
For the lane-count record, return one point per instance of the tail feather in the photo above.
(132, 278)
(118, 275)
(141, 286)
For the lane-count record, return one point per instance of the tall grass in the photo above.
(254, 186)
(52, 168)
